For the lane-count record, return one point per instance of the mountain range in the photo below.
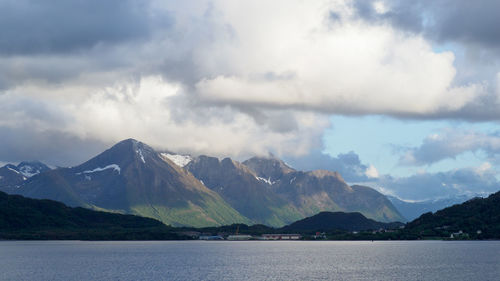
(133, 178)
(413, 209)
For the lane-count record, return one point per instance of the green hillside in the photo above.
(25, 218)
(476, 218)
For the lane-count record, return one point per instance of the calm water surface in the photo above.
(248, 260)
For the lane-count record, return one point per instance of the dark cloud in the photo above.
(50, 146)
(469, 22)
(61, 26)
(347, 164)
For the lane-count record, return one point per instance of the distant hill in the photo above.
(330, 221)
(479, 214)
(25, 218)
(413, 210)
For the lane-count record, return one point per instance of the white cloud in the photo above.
(372, 172)
(151, 111)
(345, 67)
(380, 7)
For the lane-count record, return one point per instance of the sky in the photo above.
(399, 95)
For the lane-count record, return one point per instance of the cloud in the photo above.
(349, 67)
(466, 28)
(449, 184)
(215, 77)
(450, 143)
(153, 111)
(49, 146)
(468, 22)
(58, 26)
(347, 164)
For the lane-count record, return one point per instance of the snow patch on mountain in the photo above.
(179, 160)
(99, 169)
(28, 171)
(139, 151)
(268, 181)
(15, 171)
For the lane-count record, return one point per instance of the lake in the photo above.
(250, 260)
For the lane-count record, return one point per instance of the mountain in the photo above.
(268, 191)
(269, 169)
(412, 210)
(32, 168)
(182, 190)
(243, 190)
(331, 221)
(132, 178)
(25, 218)
(320, 190)
(12, 177)
(478, 214)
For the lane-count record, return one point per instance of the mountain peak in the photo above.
(268, 167)
(31, 168)
(132, 143)
(25, 169)
(121, 155)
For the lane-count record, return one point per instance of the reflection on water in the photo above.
(250, 260)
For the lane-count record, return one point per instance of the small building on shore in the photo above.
(239, 237)
(211, 237)
(281, 236)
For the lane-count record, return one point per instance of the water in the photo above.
(250, 260)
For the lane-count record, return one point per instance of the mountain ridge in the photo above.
(132, 177)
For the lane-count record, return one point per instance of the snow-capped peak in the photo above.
(179, 160)
(28, 171)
